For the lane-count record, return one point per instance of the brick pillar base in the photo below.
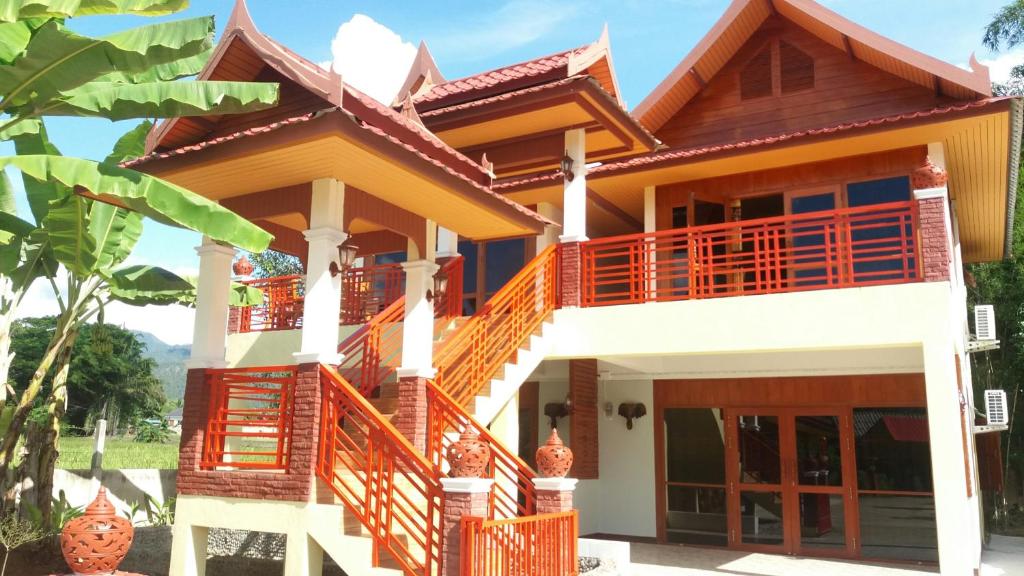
(554, 495)
(935, 236)
(193, 420)
(305, 427)
(463, 497)
(570, 269)
(411, 418)
(234, 320)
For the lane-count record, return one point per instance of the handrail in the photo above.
(514, 493)
(475, 352)
(380, 477)
(281, 308)
(544, 545)
(368, 290)
(249, 423)
(860, 246)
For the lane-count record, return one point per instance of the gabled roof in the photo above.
(594, 59)
(743, 17)
(423, 74)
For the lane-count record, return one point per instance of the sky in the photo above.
(372, 43)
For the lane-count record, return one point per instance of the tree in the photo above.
(270, 263)
(110, 375)
(1006, 28)
(88, 215)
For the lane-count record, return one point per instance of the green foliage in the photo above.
(147, 432)
(15, 533)
(61, 513)
(157, 514)
(109, 369)
(1007, 27)
(270, 263)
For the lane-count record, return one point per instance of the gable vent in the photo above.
(756, 76)
(796, 68)
(995, 408)
(984, 322)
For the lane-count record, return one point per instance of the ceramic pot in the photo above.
(242, 267)
(554, 459)
(469, 456)
(96, 542)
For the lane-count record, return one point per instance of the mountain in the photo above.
(170, 363)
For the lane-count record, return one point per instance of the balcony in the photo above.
(843, 248)
(365, 292)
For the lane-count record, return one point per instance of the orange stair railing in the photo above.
(281, 308)
(543, 545)
(366, 291)
(514, 493)
(392, 489)
(467, 360)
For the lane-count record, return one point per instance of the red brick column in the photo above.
(411, 417)
(234, 319)
(463, 497)
(570, 268)
(935, 236)
(295, 484)
(554, 495)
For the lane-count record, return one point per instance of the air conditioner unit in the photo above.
(995, 408)
(984, 322)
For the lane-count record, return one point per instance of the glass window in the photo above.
(878, 249)
(878, 191)
(389, 258)
(822, 522)
(819, 459)
(468, 250)
(696, 515)
(898, 526)
(759, 450)
(695, 471)
(505, 259)
(761, 515)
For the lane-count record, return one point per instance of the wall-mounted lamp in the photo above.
(556, 410)
(609, 409)
(440, 287)
(346, 258)
(631, 411)
(567, 167)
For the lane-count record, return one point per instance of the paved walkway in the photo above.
(1003, 557)
(655, 560)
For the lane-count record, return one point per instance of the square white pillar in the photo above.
(651, 226)
(321, 311)
(447, 243)
(550, 235)
(574, 195)
(209, 334)
(418, 327)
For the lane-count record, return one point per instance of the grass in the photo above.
(76, 454)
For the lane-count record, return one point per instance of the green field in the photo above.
(76, 454)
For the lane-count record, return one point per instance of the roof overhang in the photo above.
(522, 131)
(334, 144)
(742, 19)
(981, 141)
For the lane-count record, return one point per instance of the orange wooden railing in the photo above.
(514, 493)
(250, 418)
(470, 357)
(281, 308)
(368, 290)
(449, 303)
(835, 249)
(542, 545)
(384, 481)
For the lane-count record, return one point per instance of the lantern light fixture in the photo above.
(440, 287)
(567, 167)
(346, 258)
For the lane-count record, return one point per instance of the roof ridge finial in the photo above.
(409, 110)
(603, 38)
(240, 18)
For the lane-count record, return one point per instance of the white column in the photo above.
(418, 329)
(651, 225)
(550, 235)
(955, 513)
(209, 335)
(447, 243)
(574, 198)
(322, 306)
(188, 549)
(302, 555)
(505, 426)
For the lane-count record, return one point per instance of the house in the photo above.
(741, 303)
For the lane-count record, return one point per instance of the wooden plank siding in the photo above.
(870, 390)
(844, 90)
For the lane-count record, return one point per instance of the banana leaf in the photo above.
(182, 68)
(57, 59)
(67, 225)
(11, 10)
(148, 195)
(141, 285)
(14, 37)
(164, 99)
(7, 205)
(22, 127)
(39, 192)
(130, 145)
(116, 231)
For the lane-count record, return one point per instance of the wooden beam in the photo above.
(771, 8)
(849, 48)
(604, 204)
(937, 82)
(700, 79)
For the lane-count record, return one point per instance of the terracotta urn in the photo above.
(96, 542)
(928, 176)
(242, 267)
(554, 459)
(469, 456)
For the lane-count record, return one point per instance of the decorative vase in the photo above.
(928, 175)
(469, 456)
(242, 267)
(554, 459)
(96, 542)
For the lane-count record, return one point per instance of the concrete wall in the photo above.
(269, 348)
(124, 487)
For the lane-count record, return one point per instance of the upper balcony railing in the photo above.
(365, 292)
(842, 248)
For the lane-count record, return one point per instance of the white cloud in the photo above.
(371, 57)
(1000, 66)
(516, 23)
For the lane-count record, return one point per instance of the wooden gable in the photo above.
(785, 79)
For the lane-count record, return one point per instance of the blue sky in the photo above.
(648, 38)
